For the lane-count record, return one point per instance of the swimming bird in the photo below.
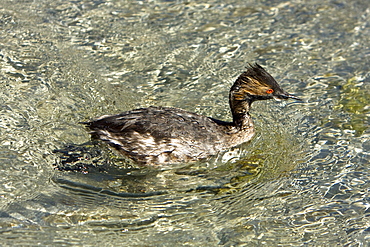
(166, 135)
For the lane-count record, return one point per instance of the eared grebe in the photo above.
(163, 135)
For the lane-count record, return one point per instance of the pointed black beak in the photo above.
(285, 95)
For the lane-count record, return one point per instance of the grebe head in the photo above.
(257, 84)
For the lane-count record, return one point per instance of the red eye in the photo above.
(270, 91)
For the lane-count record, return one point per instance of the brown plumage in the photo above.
(163, 135)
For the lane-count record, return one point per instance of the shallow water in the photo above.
(303, 180)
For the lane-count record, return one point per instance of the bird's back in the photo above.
(158, 135)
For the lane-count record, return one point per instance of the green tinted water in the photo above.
(303, 180)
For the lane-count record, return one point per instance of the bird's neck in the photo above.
(240, 112)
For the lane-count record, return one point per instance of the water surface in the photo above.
(303, 180)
